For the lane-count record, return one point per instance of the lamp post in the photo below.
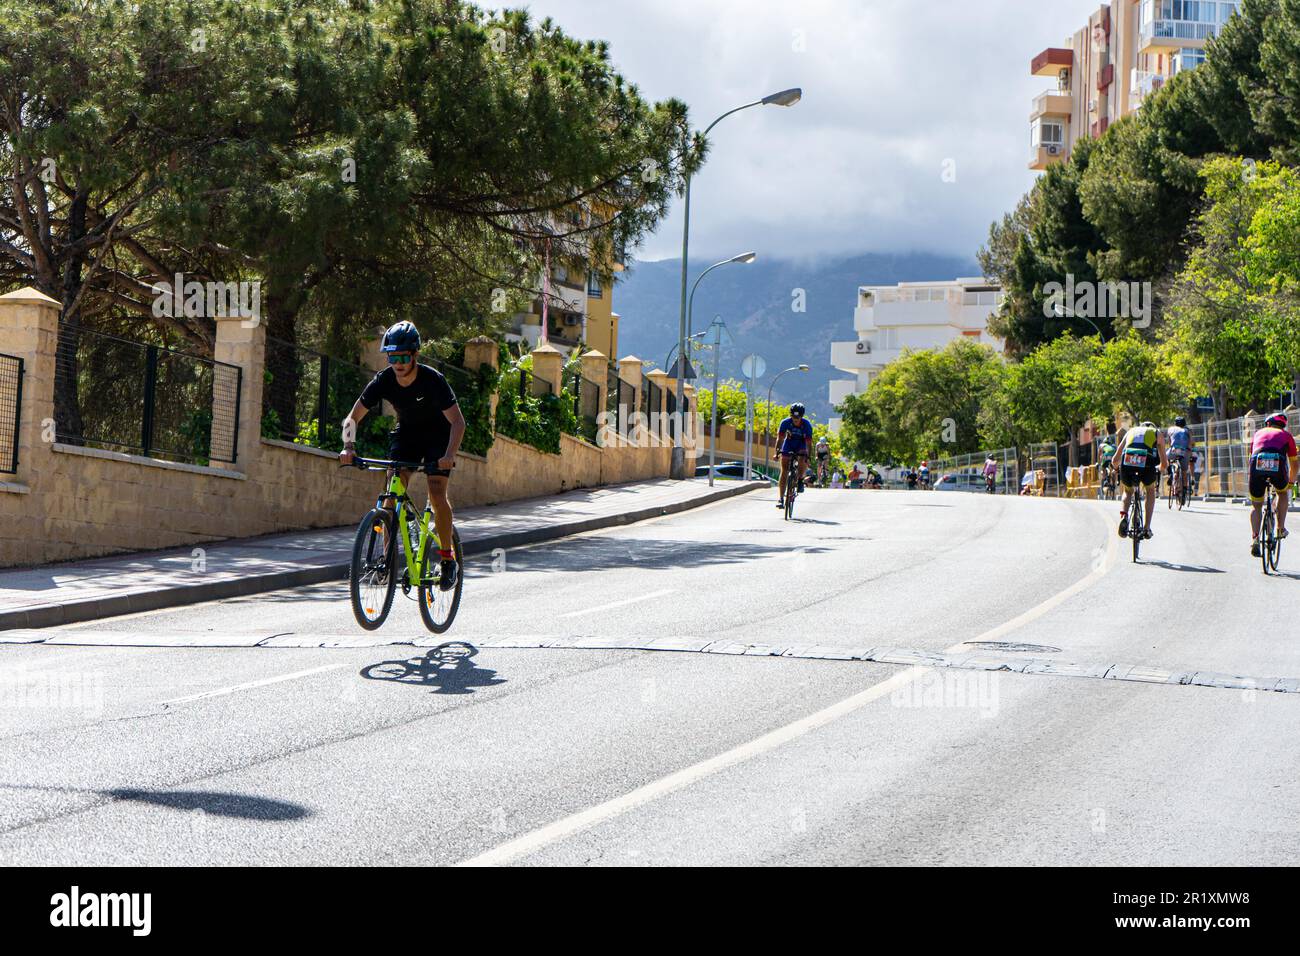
(745, 258)
(767, 429)
(784, 98)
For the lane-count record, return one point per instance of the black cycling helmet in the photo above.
(1180, 421)
(1276, 420)
(402, 337)
(797, 408)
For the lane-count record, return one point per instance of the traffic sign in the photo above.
(753, 366)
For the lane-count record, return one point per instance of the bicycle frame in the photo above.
(396, 493)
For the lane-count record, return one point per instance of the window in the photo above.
(595, 287)
(1046, 133)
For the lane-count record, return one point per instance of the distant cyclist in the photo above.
(1180, 448)
(1141, 457)
(1273, 461)
(429, 427)
(990, 473)
(924, 475)
(795, 437)
(1106, 449)
(823, 460)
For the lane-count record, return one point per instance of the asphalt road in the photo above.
(270, 729)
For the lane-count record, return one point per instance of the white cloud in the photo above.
(892, 89)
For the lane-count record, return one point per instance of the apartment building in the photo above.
(580, 308)
(910, 315)
(1128, 49)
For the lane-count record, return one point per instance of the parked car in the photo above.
(728, 471)
(960, 483)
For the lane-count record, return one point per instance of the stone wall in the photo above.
(69, 501)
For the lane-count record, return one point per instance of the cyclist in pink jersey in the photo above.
(1274, 461)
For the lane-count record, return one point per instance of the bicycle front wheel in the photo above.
(372, 578)
(438, 607)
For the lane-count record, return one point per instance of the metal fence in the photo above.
(1225, 450)
(586, 403)
(123, 395)
(306, 394)
(1045, 462)
(652, 401)
(967, 471)
(11, 405)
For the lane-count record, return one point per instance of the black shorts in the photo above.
(1148, 475)
(425, 448)
(1261, 477)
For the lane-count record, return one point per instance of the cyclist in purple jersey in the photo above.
(1274, 460)
(795, 435)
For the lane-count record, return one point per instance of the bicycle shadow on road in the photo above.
(573, 554)
(1170, 566)
(446, 669)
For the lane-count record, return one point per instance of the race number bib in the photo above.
(1135, 459)
(1267, 463)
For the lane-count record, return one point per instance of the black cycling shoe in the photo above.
(1123, 526)
(1254, 549)
(780, 504)
(447, 575)
(1146, 533)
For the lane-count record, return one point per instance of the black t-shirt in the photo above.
(419, 406)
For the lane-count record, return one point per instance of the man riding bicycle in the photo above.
(795, 436)
(1141, 457)
(429, 428)
(823, 460)
(990, 473)
(1180, 448)
(1106, 458)
(924, 475)
(1272, 444)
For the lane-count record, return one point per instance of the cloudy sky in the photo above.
(893, 90)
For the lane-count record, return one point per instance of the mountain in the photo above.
(756, 302)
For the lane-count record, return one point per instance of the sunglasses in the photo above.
(394, 359)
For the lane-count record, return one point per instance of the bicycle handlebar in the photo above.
(380, 464)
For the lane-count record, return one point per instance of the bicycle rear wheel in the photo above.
(1135, 524)
(438, 607)
(372, 577)
(789, 504)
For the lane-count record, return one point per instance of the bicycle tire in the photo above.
(429, 590)
(1135, 525)
(372, 613)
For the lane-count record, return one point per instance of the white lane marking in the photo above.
(614, 604)
(534, 841)
(222, 691)
(560, 829)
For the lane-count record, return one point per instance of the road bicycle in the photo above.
(1106, 491)
(1177, 487)
(1270, 545)
(791, 490)
(376, 570)
(990, 484)
(1136, 517)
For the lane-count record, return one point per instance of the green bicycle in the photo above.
(376, 571)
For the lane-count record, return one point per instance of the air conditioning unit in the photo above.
(573, 320)
(1053, 150)
(864, 348)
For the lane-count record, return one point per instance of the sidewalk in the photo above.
(58, 594)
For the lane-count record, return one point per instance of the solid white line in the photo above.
(606, 607)
(221, 692)
(531, 842)
(560, 829)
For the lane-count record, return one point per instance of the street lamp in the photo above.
(784, 98)
(767, 429)
(745, 258)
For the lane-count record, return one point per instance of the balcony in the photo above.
(1043, 156)
(841, 388)
(1051, 62)
(1052, 103)
(864, 318)
(1159, 36)
(846, 356)
(1142, 84)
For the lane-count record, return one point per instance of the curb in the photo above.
(76, 612)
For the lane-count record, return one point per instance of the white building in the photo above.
(910, 315)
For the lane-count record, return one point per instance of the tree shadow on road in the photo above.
(239, 805)
(577, 554)
(446, 669)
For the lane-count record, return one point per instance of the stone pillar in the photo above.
(480, 351)
(631, 370)
(29, 330)
(548, 367)
(242, 342)
(595, 366)
(658, 421)
(371, 357)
